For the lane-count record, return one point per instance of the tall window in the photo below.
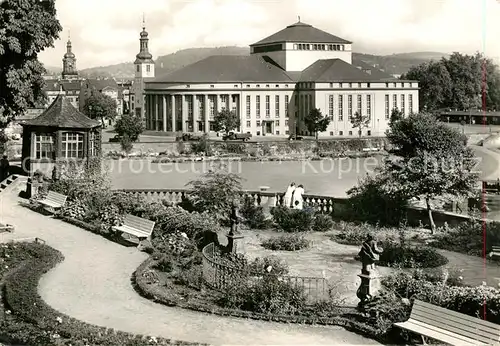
(233, 99)
(248, 112)
(277, 106)
(211, 103)
(268, 106)
(330, 106)
(387, 107)
(410, 104)
(287, 100)
(72, 145)
(148, 68)
(403, 104)
(369, 106)
(224, 101)
(190, 107)
(257, 106)
(201, 105)
(341, 107)
(349, 106)
(359, 104)
(394, 101)
(92, 144)
(44, 146)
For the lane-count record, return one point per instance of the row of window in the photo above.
(212, 86)
(277, 106)
(402, 104)
(308, 46)
(71, 145)
(310, 85)
(258, 123)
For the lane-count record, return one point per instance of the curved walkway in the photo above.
(93, 285)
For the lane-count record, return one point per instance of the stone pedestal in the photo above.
(235, 243)
(369, 287)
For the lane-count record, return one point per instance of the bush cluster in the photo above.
(286, 242)
(447, 291)
(396, 254)
(296, 220)
(27, 319)
(252, 214)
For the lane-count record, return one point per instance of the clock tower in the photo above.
(144, 69)
(69, 63)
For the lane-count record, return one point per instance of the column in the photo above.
(206, 110)
(196, 112)
(164, 101)
(172, 110)
(184, 112)
(157, 111)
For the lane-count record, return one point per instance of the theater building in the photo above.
(285, 76)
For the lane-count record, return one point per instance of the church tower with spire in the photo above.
(144, 69)
(69, 63)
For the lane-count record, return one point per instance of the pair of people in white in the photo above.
(294, 197)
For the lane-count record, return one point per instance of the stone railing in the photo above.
(218, 274)
(324, 204)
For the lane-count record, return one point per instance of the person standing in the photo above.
(298, 199)
(4, 167)
(287, 199)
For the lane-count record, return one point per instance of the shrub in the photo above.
(286, 242)
(390, 208)
(253, 214)
(469, 238)
(292, 220)
(215, 192)
(442, 291)
(322, 223)
(352, 234)
(202, 146)
(400, 255)
(266, 294)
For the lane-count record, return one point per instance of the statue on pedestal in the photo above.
(369, 254)
(234, 238)
(234, 218)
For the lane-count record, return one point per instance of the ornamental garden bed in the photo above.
(27, 320)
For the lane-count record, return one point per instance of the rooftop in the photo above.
(302, 32)
(330, 70)
(62, 114)
(228, 68)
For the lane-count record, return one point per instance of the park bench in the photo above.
(135, 227)
(495, 251)
(370, 149)
(53, 201)
(450, 327)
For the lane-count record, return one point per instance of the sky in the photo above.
(105, 32)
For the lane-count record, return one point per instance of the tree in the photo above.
(316, 122)
(360, 122)
(100, 106)
(396, 115)
(126, 144)
(431, 160)
(226, 121)
(129, 125)
(26, 29)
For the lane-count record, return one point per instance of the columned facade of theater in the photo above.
(187, 112)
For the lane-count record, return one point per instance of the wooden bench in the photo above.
(450, 327)
(53, 201)
(495, 251)
(135, 226)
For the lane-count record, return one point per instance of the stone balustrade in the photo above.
(324, 204)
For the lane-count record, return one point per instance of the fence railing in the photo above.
(321, 203)
(219, 274)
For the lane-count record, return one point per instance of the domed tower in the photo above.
(144, 68)
(69, 63)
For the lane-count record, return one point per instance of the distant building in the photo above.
(70, 88)
(144, 71)
(287, 74)
(126, 87)
(69, 63)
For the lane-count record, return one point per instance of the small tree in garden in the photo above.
(431, 160)
(396, 115)
(129, 125)
(316, 122)
(216, 191)
(226, 121)
(126, 144)
(359, 122)
(100, 106)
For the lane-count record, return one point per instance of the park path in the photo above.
(93, 284)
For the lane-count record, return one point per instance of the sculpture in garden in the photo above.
(369, 254)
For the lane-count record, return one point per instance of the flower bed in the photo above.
(151, 284)
(286, 242)
(28, 320)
